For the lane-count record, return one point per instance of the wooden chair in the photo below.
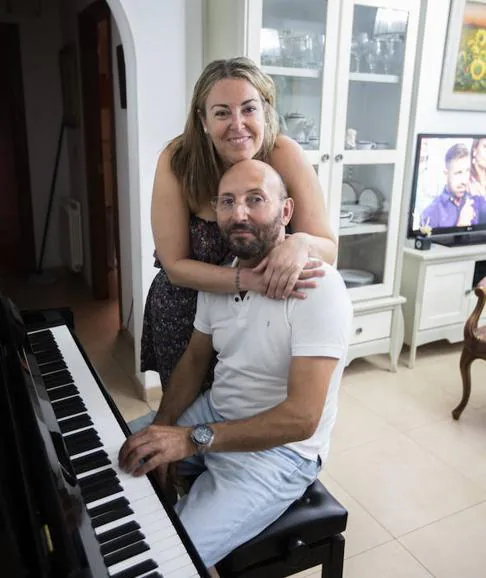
(474, 346)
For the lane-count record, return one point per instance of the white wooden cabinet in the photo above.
(343, 73)
(438, 287)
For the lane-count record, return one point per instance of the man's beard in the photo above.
(256, 247)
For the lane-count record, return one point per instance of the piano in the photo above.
(66, 510)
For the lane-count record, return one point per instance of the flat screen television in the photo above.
(448, 197)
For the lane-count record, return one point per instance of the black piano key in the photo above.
(52, 366)
(74, 423)
(56, 379)
(67, 407)
(94, 479)
(123, 542)
(102, 491)
(62, 391)
(47, 356)
(92, 486)
(112, 516)
(86, 438)
(118, 531)
(153, 575)
(136, 570)
(118, 504)
(83, 435)
(74, 448)
(126, 553)
(90, 462)
(41, 337)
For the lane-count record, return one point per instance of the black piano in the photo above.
(66, 510)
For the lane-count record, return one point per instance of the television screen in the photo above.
(449, 185)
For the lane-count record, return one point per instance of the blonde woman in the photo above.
(232, 118)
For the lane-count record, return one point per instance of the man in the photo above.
(455, 206)
(268, 417)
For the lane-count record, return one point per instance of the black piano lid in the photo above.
(44, 529)
(50, 429)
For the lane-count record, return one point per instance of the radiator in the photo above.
(71, 234)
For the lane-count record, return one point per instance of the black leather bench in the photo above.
(308, 534)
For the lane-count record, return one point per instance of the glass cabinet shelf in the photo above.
(287, 71)
(362, 229)
(370, 77)
(370, 156)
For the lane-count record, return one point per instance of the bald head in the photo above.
(252, 210)
(252, 171)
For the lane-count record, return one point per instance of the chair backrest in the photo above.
(472, 321)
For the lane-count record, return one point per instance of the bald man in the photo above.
(256, 440)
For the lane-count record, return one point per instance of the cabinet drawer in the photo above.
(370, 326)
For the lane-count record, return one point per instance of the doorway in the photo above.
(94, 25)
(17, 247)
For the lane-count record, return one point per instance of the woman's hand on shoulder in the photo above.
(287, 269)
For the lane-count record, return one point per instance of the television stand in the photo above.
(460, 239)
(438, 286)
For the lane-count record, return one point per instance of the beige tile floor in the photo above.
(413, 480)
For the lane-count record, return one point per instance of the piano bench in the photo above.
(308, 534)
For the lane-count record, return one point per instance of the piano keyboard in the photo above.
(136, 535)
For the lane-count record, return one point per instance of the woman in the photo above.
(478, 167)
(232, 118)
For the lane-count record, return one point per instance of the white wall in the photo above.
(153, 35)
(195, 15)
(429, 118)
(40, 39)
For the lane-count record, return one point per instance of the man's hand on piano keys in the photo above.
(153, 446)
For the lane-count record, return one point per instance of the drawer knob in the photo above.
(358, 331)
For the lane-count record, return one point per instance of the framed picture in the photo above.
(69, 85)
(463, 82)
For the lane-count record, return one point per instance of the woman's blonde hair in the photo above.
(194, 160)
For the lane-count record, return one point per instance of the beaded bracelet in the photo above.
(237, 280)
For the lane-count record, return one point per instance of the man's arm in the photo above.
(295, 419)
(186, 380)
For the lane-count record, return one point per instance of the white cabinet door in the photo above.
(377, 45)
(446, 286)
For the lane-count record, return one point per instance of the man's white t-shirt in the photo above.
(255, 339)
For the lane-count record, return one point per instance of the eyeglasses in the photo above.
(226, 204)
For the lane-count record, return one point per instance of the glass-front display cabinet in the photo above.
(343, 72)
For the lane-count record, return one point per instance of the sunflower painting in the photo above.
(471, 60)
(463, 81)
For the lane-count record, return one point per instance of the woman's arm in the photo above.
(309, 220)
(170, 227)
(312, 236)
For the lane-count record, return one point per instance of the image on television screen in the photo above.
(449, 191)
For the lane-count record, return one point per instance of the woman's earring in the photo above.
(205, 130)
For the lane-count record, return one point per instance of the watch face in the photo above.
(202, 434)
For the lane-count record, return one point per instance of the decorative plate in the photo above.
(356, 277)
(371, 198)
(348, 194)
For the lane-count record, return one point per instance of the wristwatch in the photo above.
(202, 436)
